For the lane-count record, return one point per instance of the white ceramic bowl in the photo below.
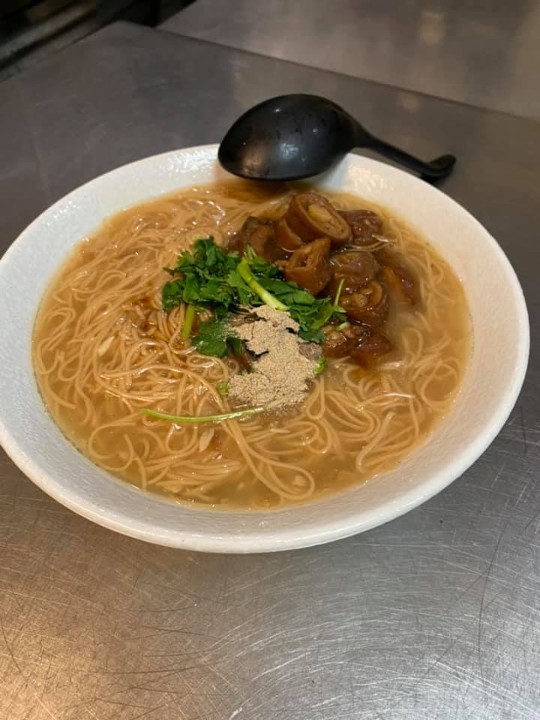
(491, 384)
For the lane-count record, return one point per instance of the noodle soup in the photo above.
(104, 350)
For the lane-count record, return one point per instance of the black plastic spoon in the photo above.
(297, 136)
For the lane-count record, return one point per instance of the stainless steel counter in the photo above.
(433, 616)
(484, 53)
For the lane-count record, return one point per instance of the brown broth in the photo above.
(103, 350)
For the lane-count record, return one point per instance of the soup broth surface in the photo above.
(103, 350)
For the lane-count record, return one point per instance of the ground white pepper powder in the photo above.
(280, 373)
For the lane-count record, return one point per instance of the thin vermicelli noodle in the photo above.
(104, 350)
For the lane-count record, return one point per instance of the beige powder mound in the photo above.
(281, 373)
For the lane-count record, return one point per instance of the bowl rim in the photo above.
(269, 540)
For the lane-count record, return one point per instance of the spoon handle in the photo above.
(434, 170)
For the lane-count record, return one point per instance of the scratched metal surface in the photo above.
(433, 616)
(440, 48)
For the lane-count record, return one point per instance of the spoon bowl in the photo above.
(292, 137)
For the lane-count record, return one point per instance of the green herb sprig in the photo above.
(201, 419)
(209, 277)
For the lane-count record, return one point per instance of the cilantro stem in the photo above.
(223, 388)
(322, 364)
(251, 281)
(189, 317)
(338, 292)
(201, 419)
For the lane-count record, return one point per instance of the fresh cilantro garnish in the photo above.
(211, 278)
(201, 278)
(322, 364)
(201, 419)
(214, 337)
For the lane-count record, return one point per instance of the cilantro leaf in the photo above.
(215, 338)
(200, 278)
(209, 277)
